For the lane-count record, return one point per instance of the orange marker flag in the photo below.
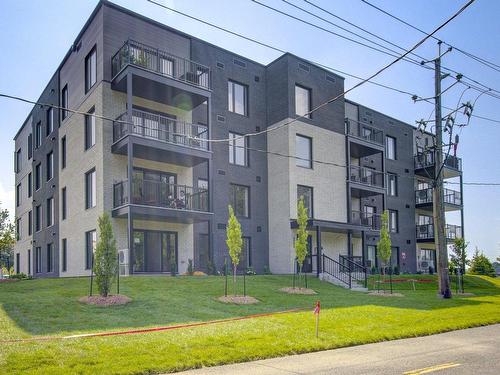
(316, 312)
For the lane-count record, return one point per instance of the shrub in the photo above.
(190, 267)
(250, 271)
(20, 276)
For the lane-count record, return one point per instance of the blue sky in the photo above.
(36, 34)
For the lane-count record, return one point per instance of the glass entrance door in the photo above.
(155, 251)
(169, 252)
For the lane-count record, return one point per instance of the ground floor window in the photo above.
(29, 262)
(38, 259)
(394, 256)
(426, 260)
(64, 255)
(50, 258)
(371, 256)
(155, 251)
(90, 244)
(18, 263)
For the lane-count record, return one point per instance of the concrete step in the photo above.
(332, 280)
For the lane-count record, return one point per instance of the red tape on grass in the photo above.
(154, 329)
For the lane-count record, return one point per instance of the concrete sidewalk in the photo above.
(469, 351)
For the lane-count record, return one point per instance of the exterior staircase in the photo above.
(347, 274)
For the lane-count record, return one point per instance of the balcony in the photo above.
(366, 181)
(369, 220)
(452, 199)
(425, 232)
(161, 138)
(424, 165)
(365, 140)
(160, 62)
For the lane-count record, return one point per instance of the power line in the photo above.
(475, 57)
(277, 49)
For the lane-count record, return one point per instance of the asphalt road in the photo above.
(468, 351)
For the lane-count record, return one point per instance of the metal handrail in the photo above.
(366, 176)
(366, 219)
(427, 159)
(336, 270)
(365, 132)
(162, 128)
(450, 196)
(357, 271)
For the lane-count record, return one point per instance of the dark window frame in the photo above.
(30, 146)
(64, 204)
(63, 152)
(231, 107)
(232, 145)
(38, 176)
(38, 135)
(393, 176)
(309, 91)
(64, 255)
(304, 160)
(19, 192)
(90, 129)
(90, 189)
(232, 199)
(394, 141)
(311, 208)
(38, 218)
(50, 122)
(38, 259)
(17, 161)
(396, 222)
(50, 166)
(30, 222)
(90, 241)
(30, 184)
(64, 102)
(91, 69)
(50, 212)
(50, 258)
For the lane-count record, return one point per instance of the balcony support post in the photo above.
(462, 205)
(318, 251)
(347, 174)
(129, 103)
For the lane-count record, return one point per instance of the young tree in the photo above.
(7, 239)
(105, 257)
(301, 240)
(481, 265)
(234, 242)
(384, 244)
(458, 257)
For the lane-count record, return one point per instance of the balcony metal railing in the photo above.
(427, 159)
(365, 132)
(423, 196)
(370, 220)
(160, 194)
(366, 176)
(426, 231)
(162, 62)
(162, 128)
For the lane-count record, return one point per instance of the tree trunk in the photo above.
(234, 279)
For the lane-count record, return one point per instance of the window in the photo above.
(245, 255)
(50, 166)
(394, 256)
(238, 149)
(307, 193)
(239, 199)
(50, 212)
(64, 102)
(30, 146)
(50, 258)
(18, 195)
(90, 242)
(30, 223)
(63, 203)
(38, 259)
(393, 221)
(18, 261)
(90, 189)
(63, 152)
(38, 134)
(38, 176)
(90, 69)
(18, 229)
(64, 255)
(202, 184)
(302, 101)
(390, 147)
(29, 262)
(392, 184)
(237, 96)
(89, 129)
(30, 184)
(303, 151)
(50, 121)
(38, 218)
(17, 161)
(371, 256)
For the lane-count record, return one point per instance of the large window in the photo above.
(64, 102)
(30, 146)
(90, 189)
(238, 153)
(38, 218)
(239, 199)
(303, 151)
(64, 259)
(393, 221)
(38, 134)
(237, 97)
(307, 193)
(90, 129)
(50, 166)
(90, 243)
(371, 256)
(38, 259)
(50, 258)
(63, 152)
(302, 101)
(38, 176)
(50, 121)
(50, 212)
(90, 69)
(392, 184)
(390, 147)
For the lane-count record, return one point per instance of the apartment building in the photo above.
(155, 99)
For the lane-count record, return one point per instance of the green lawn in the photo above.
(50, 307)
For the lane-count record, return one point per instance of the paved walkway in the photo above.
(469, 351)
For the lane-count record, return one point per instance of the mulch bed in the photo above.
(113, 300)
(238, 300)
(381, 294)
(298, 291)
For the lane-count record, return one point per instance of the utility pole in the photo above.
(438, 192)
